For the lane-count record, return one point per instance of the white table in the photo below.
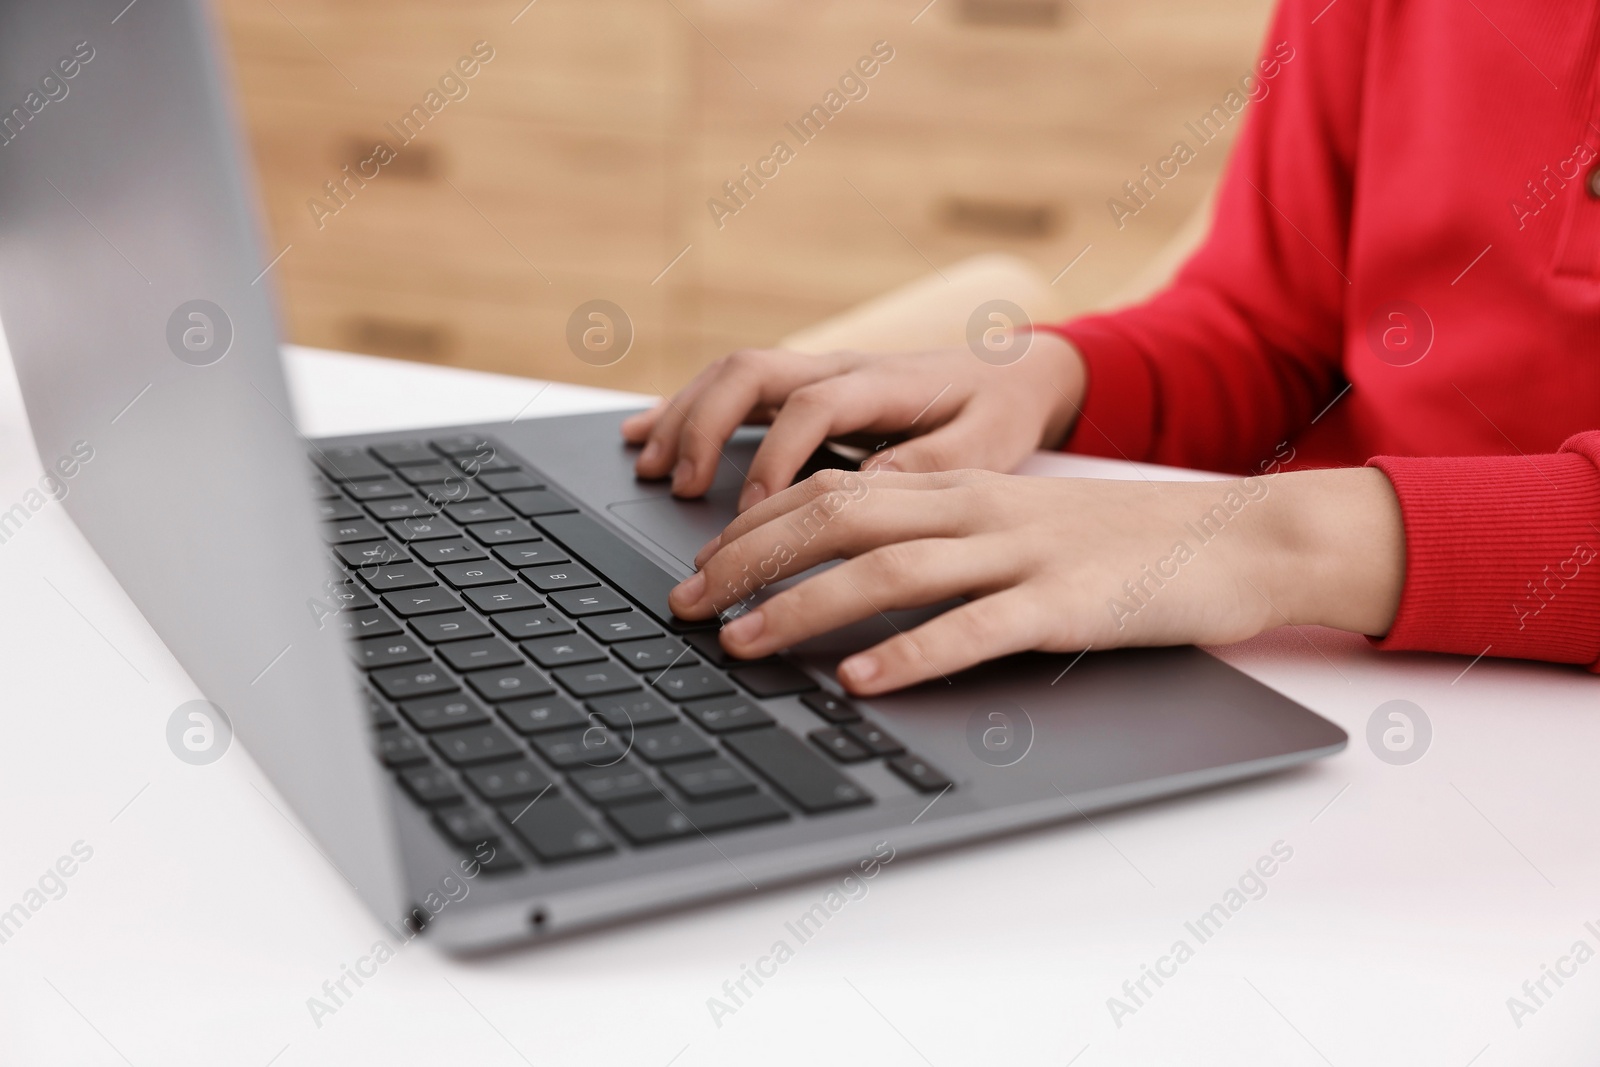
(1418, 899)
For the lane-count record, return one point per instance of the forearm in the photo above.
(1334, 549)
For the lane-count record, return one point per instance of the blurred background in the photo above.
(578, 160)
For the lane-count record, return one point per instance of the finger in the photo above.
(834, 527)
(996, 625)
(636, 427)
(661, 444)
(812, 414)
(906, 574)
(749, 380)
(978, 436)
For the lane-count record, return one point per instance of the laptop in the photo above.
(450, 649)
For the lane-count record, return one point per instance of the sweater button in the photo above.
(1593, 182)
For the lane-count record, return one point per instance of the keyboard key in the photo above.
(650, 823)
(492, 598)
(798, 770)
(626, 711)
(691, 683)
(375, 552)
(504, 533)
(539, 553)
(443, 712)
(466, 827)
(625, 626)
(431, 786)
(563, 651)
(384, 577)
(705, 778)
(480, 463)
(596, 679)
(874, 739)
(447, 550)
(401, 507)
(508, 683)
(922, 777)
(399, 749)
(531, 502)
(468, 575)
(480, 653)
(368, 622)
(555, 830)
(459, 489)
(773, 679)
(475, 744)
(840, 745)
(375, 652)
(655, 653)
(501, 481)
(322, 489)
(662, 744)
(588, 747)
(421, 602)
(624, 783)
(590, 602)
(479, 511)
(347, 597)
(721, 714)
(520, 624)
(350, 530)
(417, 680)
(347, 463)
(455, 626)
(465, 444)
(508, 781)
(423, 529)
(835, 709)
(558, 576)
(709, 644)
(377, 710)
(541, 715)
(431, 473)
(337, 510)
(380, 489)
(404, 453)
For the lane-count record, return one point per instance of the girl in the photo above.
(1391, 330)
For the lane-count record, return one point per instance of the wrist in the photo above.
(1066, 381)
(1335, 549)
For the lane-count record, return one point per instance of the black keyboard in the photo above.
(528, 684)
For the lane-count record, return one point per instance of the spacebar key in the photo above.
(619, 563)
(797, 769)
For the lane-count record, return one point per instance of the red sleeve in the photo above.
(1243, 348)
(1502, 554)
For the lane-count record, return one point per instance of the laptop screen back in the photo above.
(135, 300)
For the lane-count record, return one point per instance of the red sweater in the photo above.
(1405, 264)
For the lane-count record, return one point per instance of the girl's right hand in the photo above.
(960, 411)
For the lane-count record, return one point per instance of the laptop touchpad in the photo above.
(678, 527)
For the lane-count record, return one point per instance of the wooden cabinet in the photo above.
(586, 154)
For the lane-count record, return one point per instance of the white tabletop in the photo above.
(1418, 898)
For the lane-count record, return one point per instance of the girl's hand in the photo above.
(1052, 564)
(964, 411)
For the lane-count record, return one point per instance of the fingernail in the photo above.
(859, 670)
(651, 453)
(690, 589)
(745, 628)
(753, 494)
(681, 474)
(707, 550)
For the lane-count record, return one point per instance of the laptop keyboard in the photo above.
(529, 686)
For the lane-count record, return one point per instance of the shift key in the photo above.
(797, 769)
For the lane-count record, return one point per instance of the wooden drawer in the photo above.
(977, 65)
(606, 62)
(837, 226)
(465, 201)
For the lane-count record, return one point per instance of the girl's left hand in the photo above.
(1051, 564)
